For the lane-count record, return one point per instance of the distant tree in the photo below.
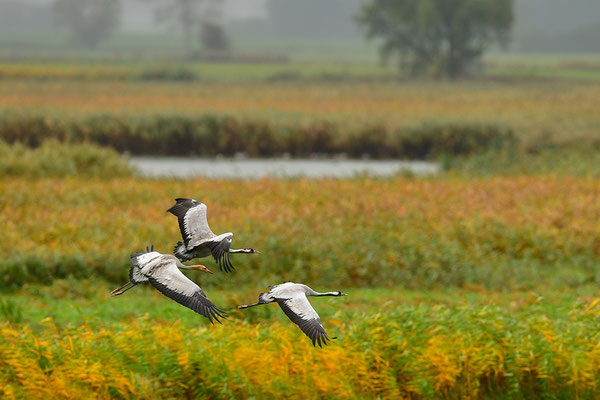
(195, 18)
(439, 37)
(213, 37)
(89, 21)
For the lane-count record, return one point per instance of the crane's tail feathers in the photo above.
(133, 257)
(180, 251)
(136, 276)
(264, 298)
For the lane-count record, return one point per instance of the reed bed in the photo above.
(412, 120)
(416, 352)
(510, 232)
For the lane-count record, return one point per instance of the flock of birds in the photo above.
(163, 272)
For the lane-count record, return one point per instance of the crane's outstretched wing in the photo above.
(171, 282)
(219, 248)
(193, 224)
(299, 310)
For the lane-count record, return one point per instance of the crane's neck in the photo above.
(311, 292)
(240, 251)
(328, 294)
(183, 266)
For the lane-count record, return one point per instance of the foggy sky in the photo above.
(539, 24)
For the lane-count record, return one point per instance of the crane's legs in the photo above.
(122, 289)
(250, 305)
(263, 298)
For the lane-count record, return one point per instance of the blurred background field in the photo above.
(477, 281)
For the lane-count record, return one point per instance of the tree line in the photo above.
(91, 21)
(439, 38)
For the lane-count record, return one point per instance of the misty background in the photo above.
(283, 28)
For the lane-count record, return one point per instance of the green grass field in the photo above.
(390, 344)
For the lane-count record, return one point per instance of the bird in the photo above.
(198, 240)
(293, 300)
(162, 271)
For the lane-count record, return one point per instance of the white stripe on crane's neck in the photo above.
(310, 292)
(240, 251)
(335, 293)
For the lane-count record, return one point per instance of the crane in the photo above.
(198, 240)
(162, 271)
(293, 300)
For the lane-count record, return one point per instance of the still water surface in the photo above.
(179, 167)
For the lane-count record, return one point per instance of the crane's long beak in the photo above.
(201, 267)
(344, 294)
(256, 252)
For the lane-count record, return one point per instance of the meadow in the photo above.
(503, 233)
(481, 282)
(490, 293)
(72, 341)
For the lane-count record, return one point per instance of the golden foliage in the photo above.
(62, 227)
(421, 352)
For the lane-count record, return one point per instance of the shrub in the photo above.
(56, 159)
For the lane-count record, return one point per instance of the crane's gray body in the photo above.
(292, 298)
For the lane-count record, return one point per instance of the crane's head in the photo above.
(338, 293)
(250, 250)
(200, 267)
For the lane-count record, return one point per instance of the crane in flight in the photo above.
(162, 271)
(198, 239)
(293, 300)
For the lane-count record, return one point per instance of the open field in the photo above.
(296, 53)
(224, 72)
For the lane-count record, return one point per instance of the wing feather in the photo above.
(193, 223)
(299, 311)
(171, 282)
(219, 248)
